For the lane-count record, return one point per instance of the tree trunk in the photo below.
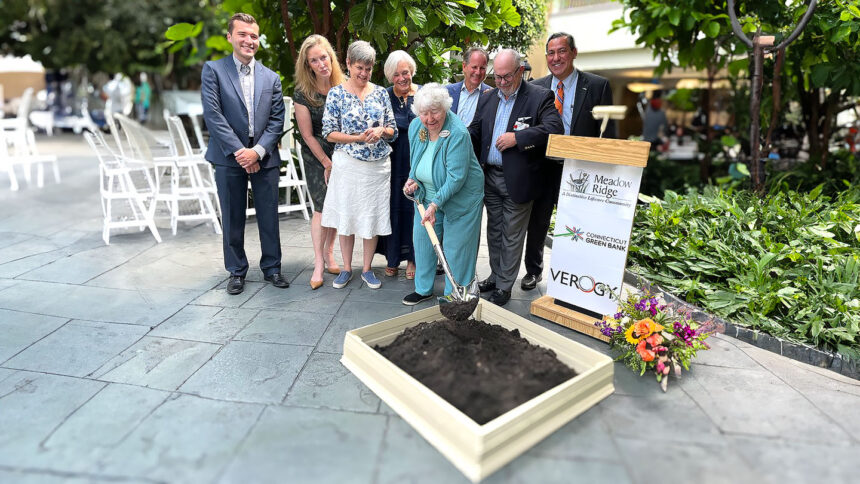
(288, 27)
(810, 102)
(705, 161)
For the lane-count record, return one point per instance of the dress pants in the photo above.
(541, 216)
(506, 229)
(462, 237)
(232, 183)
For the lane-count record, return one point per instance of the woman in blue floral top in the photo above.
(359, 120)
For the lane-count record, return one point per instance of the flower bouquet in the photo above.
(653, 335)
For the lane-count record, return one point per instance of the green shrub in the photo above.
(788, 265)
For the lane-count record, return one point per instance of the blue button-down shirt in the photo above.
(503, 115)
(467, 104)
(569, 97)
(246, 81)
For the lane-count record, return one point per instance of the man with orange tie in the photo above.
(576, 94)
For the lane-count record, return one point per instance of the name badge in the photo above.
(521, 123)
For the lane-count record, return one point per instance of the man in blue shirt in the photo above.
(466, 92)
(575, 95)
(509, 135)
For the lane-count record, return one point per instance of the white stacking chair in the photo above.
(191, 192)
(27, 153)
(139, 150)
(18, 125)
(18, 149)
(198, 132)
(127, 182)
(114, 128)
(293, 178)
(295, 146)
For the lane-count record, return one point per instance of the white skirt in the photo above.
(357, 198)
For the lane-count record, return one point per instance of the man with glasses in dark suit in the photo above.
(509, 134)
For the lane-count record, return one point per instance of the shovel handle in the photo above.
(427, 225)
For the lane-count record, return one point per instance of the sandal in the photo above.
(391, 271)
(410, 273)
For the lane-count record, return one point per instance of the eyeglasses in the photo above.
(562, 51)
(506, 77)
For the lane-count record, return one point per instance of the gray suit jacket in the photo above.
(227, 117)
(591, 90)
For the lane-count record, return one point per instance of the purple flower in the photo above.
(684, 332)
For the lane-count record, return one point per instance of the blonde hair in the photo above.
(306, 77)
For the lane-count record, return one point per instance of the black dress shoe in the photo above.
(500, 297)
(278, 280)
(235, 285)
(530, 281)
(486, 285)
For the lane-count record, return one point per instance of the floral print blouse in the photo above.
(347, 114)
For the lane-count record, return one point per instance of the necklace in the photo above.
(403, 101)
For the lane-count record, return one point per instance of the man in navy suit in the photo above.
(244, 111)
(509, 134)
(576, 93)
(466, 92)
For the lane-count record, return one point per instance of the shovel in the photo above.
(464, 299)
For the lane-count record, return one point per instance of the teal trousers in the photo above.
(462, 236)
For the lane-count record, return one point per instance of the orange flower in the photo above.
(642, 328)
(644, 352)
(654, 340)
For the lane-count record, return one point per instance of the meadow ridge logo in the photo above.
(599, 240)
(579, 183)
(586, 283)
(598, 188)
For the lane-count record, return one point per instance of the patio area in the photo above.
(130, 363)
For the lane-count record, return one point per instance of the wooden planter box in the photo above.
(479, 450)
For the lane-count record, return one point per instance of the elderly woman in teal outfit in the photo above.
(447, 179)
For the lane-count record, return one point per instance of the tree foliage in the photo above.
(822, 67)
(427, 29)
(685, 33)
(821, 70)
(100, 35)
(531, 28)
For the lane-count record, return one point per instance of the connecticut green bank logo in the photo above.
(572, 232)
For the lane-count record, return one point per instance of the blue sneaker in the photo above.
(370, 279)
(342, 279)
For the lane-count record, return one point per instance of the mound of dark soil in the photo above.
(484, 370)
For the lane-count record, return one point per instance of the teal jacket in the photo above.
(457, 174)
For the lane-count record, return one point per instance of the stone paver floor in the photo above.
(129, 363)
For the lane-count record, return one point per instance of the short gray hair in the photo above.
(362, 52)
(394, 59)
(518, 58)
(431, 96)
(467, 56)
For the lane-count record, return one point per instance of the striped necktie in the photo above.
(559, 98)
